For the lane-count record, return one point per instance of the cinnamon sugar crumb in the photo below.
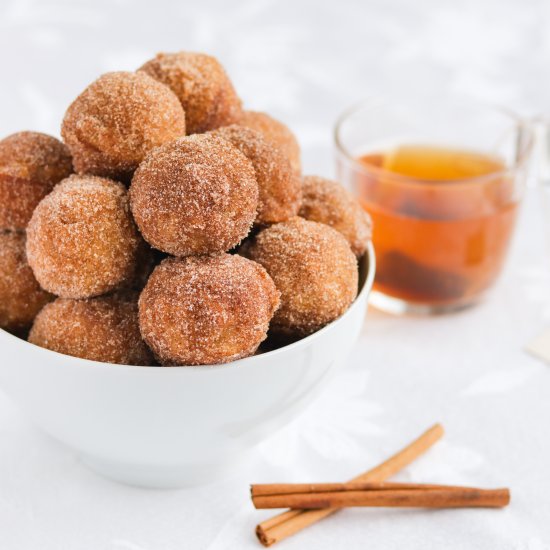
(202, 86)
(328, 202)
(21, 298)
(280, 190)
(277, 133)
(195, 195)
(100, 329)
(206, 309)
(31, 163)
(313, 267)
(81, 240)
(117, 120)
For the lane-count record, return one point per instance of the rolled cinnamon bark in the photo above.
(343, 495)
(290, 522)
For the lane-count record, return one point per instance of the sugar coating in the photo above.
(117, 120)
(327, 202)
(204, 310)
(275, 132)
(81, 240)
(31, 164)
(100, 329)
(280, 189)
(202, 86)
(195, 195)
(21, 297)
(314, 269)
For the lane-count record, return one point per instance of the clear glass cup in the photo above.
(440, 243)
(542, 172)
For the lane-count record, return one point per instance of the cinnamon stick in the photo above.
(265, 489)
(342, 495)
(288, 523)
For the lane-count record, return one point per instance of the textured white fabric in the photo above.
(305, 62)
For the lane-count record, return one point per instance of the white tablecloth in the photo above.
(305, 62)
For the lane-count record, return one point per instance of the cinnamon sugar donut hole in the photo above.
(102, 329)
(81, 240)
(275, 132)
(313, 267)
(117, 120)
(204, 310)
(31, 163)
(327, 202)
(195, 195)
(21, 297)
(280, 189)
(202, 86)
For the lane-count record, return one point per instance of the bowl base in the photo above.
(163, 476)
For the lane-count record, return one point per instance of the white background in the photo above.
(305, 61)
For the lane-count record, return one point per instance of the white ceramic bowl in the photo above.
(171, 427)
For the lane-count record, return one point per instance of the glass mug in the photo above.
(442, 184)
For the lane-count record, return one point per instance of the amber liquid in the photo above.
(439, 240)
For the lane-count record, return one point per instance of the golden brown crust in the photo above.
(81, 240)
(205, 310)
(196, 195)
(313, 267)
(275, 132)
(327, 202)
(280, 190)
(21, 297)
(202, 86)
(100, 329)
(117, 120)
(31, 163)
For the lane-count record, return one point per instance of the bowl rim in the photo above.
(369, 256)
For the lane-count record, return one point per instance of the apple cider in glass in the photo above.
(443, 216)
